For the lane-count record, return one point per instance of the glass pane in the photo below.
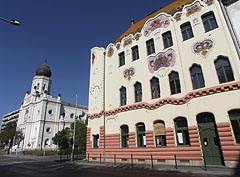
(220, 74)
(206, 26)
(229, 73)
(236, 129)
(184, 34)
(201, 81)
(178, 86)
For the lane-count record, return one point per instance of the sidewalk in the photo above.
(211, 170)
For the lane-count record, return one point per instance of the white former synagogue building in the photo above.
(169, 87)
(41, 116)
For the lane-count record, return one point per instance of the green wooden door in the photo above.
(209, 139)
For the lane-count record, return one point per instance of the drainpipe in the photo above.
(104, 124)
(230, 27)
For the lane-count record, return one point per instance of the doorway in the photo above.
(209, 139)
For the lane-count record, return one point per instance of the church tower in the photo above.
(41, 82)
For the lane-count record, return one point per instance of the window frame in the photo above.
(183, 130)
(222, 67)
(123, 96)
(206, 19)
(124, 137)
(160, 140)
(198, 75)
(135, 53)
(140, 135)
(150, 46)
(186, 27)
(234, 115)
(95, 141)
(176, 83)
(121, 59)
(155, 88)
(167, 39)
(138, 96)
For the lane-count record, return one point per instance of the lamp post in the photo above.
(12, 22)
(74, 127)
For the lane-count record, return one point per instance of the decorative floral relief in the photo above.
(202, 48)
(208, 2)
(161, 21)
(127, 41)
(137, 36)
(128, 73)
(196, 22)
(177, 16)
(118, 46)
(163, 59)
(110, 51)
(193, 9)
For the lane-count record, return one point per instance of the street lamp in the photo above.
(74, 127)
(12, 22)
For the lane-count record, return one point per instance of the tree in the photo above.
(80, 134)
(10, 136)
(62, 138)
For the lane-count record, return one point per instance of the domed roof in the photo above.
(44, 70)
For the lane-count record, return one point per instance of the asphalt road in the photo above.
(50, 167)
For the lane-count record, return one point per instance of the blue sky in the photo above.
(63, 32)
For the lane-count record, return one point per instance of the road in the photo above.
(50, 167)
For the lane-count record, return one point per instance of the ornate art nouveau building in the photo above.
(169, 87)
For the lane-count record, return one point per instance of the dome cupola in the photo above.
(44, 70)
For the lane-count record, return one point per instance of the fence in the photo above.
(175, 160)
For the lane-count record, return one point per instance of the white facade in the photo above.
(213, 98)
(41, 116)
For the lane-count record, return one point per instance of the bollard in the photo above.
(205, 165)
(88, 157)
(67, 157)
(132, 160)
(60, 157)
(100, 158)
(114, 159)
(152, 160)
(175, 157)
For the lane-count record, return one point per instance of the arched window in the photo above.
(187, 32)
(123, 96)
(124, 136)
(181, 128)
(224, 70)
(174, 83)
(234, 116)
(160, 135)
(197, 77)
(141, 136)
(155, 89)
(138, 92)
(209, 21)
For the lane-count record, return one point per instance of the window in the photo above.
(71, 115)
(47, 142)
(174, 83)
(141, 136)
(234, 116)
(186, 31)
(155, 89)
(95, 141)
(159, 131)
(124, 136)
(135, 53)
(50, 112)
(224, 70)
(197, 77)
(182, 131)
(121, 59)
(138, 92)
(48, 130)
(167, 39)
(209, 21)
(123, 96)
(150, 47)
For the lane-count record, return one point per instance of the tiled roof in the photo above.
(169, 9)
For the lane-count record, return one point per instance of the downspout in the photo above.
(104, 116)
(230, 27)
